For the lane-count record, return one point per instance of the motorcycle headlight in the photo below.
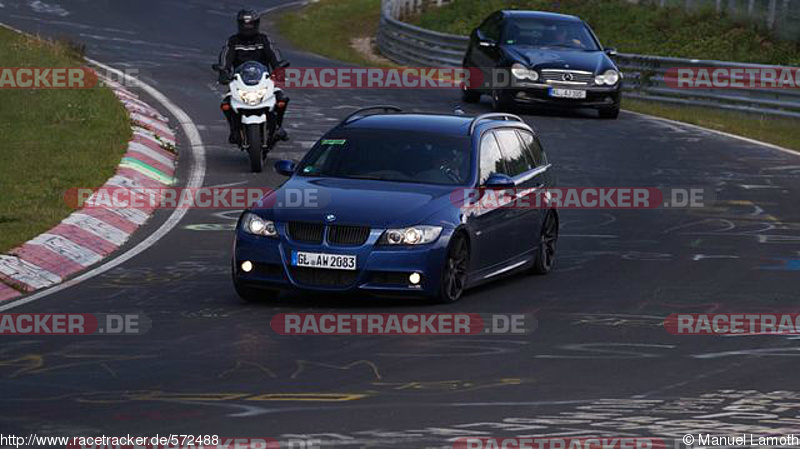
(521, 72)
(609, 77)
(415, 235)
(253, 224)
(252, 97)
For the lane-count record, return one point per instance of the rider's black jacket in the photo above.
(241, 49)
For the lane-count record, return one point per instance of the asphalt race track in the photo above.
(599, 362)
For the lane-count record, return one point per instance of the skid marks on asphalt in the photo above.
(727, 412)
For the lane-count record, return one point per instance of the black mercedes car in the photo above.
(540, 58)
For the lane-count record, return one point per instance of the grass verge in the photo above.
(329, 27)
(51, 140)
(783, 132)
(637, 28)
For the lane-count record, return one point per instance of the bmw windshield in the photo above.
(392, 155)
(550, 33)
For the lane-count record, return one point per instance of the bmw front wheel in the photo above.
(454, 276)
(545, 256)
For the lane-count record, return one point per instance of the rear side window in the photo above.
(517, 159)
(533, 148)
(491, 158)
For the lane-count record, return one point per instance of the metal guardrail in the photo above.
(643, 75)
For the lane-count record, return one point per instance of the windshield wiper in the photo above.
(370, 178)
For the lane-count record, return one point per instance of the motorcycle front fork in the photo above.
(267, 129)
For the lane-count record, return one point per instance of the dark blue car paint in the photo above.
(498, 239)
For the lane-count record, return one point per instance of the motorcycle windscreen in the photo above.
(252, 72)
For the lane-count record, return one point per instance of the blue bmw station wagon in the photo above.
(388, 212)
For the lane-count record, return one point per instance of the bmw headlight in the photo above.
(253, 224)
(252, 97)
(521, 72)
(415, 235)
(609, 77)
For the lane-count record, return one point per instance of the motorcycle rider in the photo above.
(249, 44)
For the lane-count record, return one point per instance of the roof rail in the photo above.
(492, 116)
(359, 113)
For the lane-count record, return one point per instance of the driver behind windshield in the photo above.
(543, 33)
(565, 36)
(249, 44)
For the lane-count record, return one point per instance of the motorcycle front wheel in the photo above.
(254, 141)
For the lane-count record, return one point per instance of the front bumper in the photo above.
(379, 269)
(539, 94)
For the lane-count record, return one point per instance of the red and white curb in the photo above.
(90, 234)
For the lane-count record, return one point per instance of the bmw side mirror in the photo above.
(611, 51)
(285, 168)
(499, 181)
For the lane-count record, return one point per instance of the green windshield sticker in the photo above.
(334, 142)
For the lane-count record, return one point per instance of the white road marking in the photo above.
(47, 8)
(197, 173)
(714, 131)
(591, 236)
(230, 184)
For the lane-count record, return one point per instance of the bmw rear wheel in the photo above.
(454, 276)
(545, 256)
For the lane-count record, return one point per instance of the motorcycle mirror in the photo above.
(283, 64)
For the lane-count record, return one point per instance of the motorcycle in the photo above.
(252, 98)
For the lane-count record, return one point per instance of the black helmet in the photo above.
(249, 22)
